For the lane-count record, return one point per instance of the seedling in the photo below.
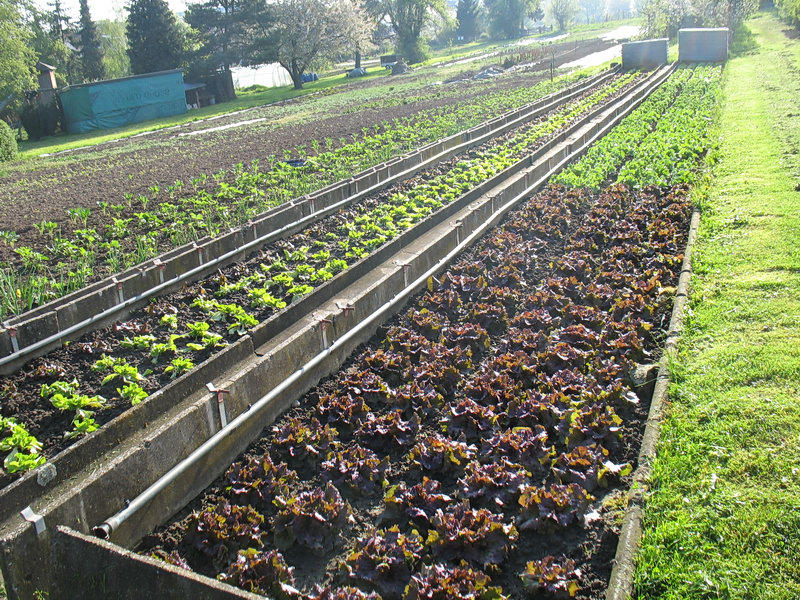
(179, 366)
(79, 214)
(23, 449)
(168, 347)
(170, 321)
(260, 297)
(77, 401)
(47, 228)
(299, 291)
(82, 424)
(32, 261)
(208, 341)
(133, 393)
(121, 369)
(9, 237)
(198, 329)
(65, 388)
(139, 342)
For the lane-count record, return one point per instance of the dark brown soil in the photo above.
(593, 546)
(20, 392)
(133, 165)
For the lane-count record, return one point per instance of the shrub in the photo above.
(39, 119)
(8, 144)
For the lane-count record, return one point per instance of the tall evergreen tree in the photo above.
(468, 13)
(507, 17)
(219, 24)
(91, 56)
(59, 21)
(155, 41)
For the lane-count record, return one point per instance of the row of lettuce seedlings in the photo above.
(493, 419)
(96, 242)
(73, 391)
(485, 428)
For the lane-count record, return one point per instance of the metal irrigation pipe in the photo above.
(105, 529)
(265, 238)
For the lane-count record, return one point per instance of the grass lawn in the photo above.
(723, 520)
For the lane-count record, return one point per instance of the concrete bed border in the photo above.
(121, 293)
(116, 564)
(83, 501)
(485, 210)
(15, 496)
(620, 585)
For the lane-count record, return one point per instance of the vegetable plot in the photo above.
(471, 451)
(104, 373)
(115, 235)
(661, 142)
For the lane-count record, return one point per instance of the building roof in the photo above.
(44, 67)
(105, 81)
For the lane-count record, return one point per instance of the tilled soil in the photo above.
(122, 252)
(21, 391)
(591, 545)
(133, 165)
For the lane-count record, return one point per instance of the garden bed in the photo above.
(514, 368)
(76, 389)
(99, 231)
(62, 257)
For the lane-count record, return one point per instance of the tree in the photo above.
(507, 17)
(16, 57)
(468, 13)
(219, 25)
(91, 56)
(155, 40)
(300, 33)
(618, 9)
(562, 12)
(58, 20)
(666, 17)
(789, 11)
(49, 31)
(408, 19)
(592, 10)
(726, 13)
(115, 48)
(366, 41)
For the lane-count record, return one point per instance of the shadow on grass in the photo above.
(744, 42)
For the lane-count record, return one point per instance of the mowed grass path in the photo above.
(723, 520)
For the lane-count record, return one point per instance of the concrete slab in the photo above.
(703, 44)
(645, 54)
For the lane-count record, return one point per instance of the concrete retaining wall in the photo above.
(89, 569)
(645, 54)
(703, 45)
(80, 455)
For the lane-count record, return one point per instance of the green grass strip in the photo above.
(723, 520)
